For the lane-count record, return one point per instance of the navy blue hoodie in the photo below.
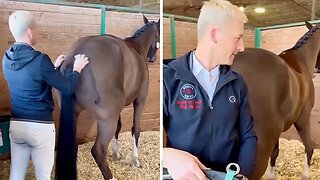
(217, 132)
(30, 77)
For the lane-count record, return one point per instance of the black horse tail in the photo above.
(66, 158)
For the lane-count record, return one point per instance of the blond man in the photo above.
(30, 76)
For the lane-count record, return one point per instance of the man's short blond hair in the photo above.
(20, 22)
(217, 12)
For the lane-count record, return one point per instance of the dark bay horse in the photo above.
(281, 94)
(116, 76)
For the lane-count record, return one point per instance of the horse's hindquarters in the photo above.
(274, 96)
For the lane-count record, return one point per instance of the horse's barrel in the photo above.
(4, 136)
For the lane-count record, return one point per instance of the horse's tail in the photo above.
(66, 158)
(66, 167)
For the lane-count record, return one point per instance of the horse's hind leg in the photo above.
(138, 106)
(266, 144)
(115, 147)
(303, 128)
(271, 171)
(105, 132)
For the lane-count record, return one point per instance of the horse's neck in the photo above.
(144, 41)
(308, 54)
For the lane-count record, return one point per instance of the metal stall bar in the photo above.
(173, 37)
(103, 20)
(257, 35)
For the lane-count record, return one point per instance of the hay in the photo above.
(289, 164)
(149, 156)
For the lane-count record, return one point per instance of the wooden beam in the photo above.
(313, 10)
(141, 5)
(303, 8)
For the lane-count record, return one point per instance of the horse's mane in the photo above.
(305, 37)
(142, 30)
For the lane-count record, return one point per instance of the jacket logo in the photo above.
(232, 99)
(188, 91)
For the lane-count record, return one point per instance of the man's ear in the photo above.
(30, 33)
(213, 33)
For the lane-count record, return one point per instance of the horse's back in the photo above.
(254, 60)
(122, 64)
(275, 88)
(266, 76)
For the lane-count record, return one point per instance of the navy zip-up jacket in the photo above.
(30, 77)
(218, 132)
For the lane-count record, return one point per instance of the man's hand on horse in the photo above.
(59, 60)
(80, 62)
(182, 165)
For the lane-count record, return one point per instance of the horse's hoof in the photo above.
(135, 163)
(115, 156)
(304, 177)
(271, 178)
(271, 173)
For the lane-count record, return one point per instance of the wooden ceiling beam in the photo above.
(178, 3)
(303, 8)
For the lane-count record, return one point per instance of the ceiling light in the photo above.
(260, 10)
(241, 8)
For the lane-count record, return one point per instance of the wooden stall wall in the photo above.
(60, 27)
(248, 38)
(57, 31)
(186, 37)
(166, 38)
(278, 40)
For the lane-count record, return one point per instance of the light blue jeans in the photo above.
(35, 141)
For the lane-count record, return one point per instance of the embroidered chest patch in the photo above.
(188, 91)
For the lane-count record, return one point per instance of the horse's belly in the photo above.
(136, 77)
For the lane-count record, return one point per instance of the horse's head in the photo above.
(155, 44)
(307, 48)
(310, 26)
(146, 40)
(314, 29)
